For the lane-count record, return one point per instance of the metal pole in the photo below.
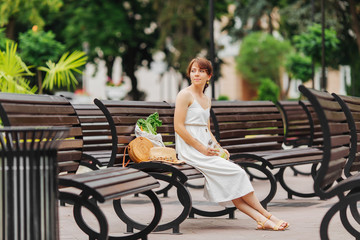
(312, 60)
(212, 47)
(323, 77)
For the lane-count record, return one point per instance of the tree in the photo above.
(341, 15)
(38, 47)
(249, 16)
(310, 43)
(183, 30)
(298, 66)
(25, 12)
(261, 56)
(110, 28)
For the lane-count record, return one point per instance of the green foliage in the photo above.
(61, 74)
(261, 56)
(13, 71)
(3, 39)
(268, 90)
(26, 12)
(184, 30)
(38, 47)
(298, 66)
(223, 98)
(150, 124)
(249, 14)
(110, 29)
(310, 43)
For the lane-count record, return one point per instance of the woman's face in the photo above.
(198, 76)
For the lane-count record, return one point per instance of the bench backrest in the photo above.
(298, 126)
(336, 139)
(123, 116)
(352, 108)
(98, 143)
(249, 126)
(46, 110)
(316, 134)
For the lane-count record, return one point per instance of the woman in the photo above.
(225, 182)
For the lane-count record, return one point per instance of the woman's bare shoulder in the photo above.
(184, 97)
(185, 94)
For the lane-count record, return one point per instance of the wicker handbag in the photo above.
(138, 149)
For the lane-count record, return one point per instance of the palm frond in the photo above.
(61, 74)
(11, 64)
(18, 85)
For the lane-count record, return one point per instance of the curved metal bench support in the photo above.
(131, 224)
(291, 192)
(340, 206)
(83, 201)
(176, 179)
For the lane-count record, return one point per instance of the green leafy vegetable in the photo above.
(150, 124)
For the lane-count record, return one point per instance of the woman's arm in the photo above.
(183, 101)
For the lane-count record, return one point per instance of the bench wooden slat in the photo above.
(231, 118)
(25, 120)
(39, 109)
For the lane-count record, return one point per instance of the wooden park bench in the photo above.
(339, 142)
(253, 133)
(122, 117)
(299, 126)
(352, 107)
(97, 140)
(100, 185)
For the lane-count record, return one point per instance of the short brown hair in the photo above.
(203, 64)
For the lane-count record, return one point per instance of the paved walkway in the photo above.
(304, 215)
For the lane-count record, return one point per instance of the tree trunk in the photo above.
(286, 94)
(355, 22)
(10, 29)
(270, 23)
(39, 77)
(129, 68)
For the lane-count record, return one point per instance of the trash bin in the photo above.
(28, 182)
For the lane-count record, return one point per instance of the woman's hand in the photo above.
(208, 151)
(212, 151)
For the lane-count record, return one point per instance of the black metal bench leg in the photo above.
(80, 202)
(131, 224)
(298, 172)
(183, 196)
(289, 190)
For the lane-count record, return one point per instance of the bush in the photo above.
(223, 98)
(268, 90)
(261, 56)
(298, 66)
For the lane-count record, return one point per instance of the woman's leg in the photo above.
(254, 202)
(254, 214)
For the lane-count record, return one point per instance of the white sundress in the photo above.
(224, 180)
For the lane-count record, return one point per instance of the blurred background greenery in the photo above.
(44, 45)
